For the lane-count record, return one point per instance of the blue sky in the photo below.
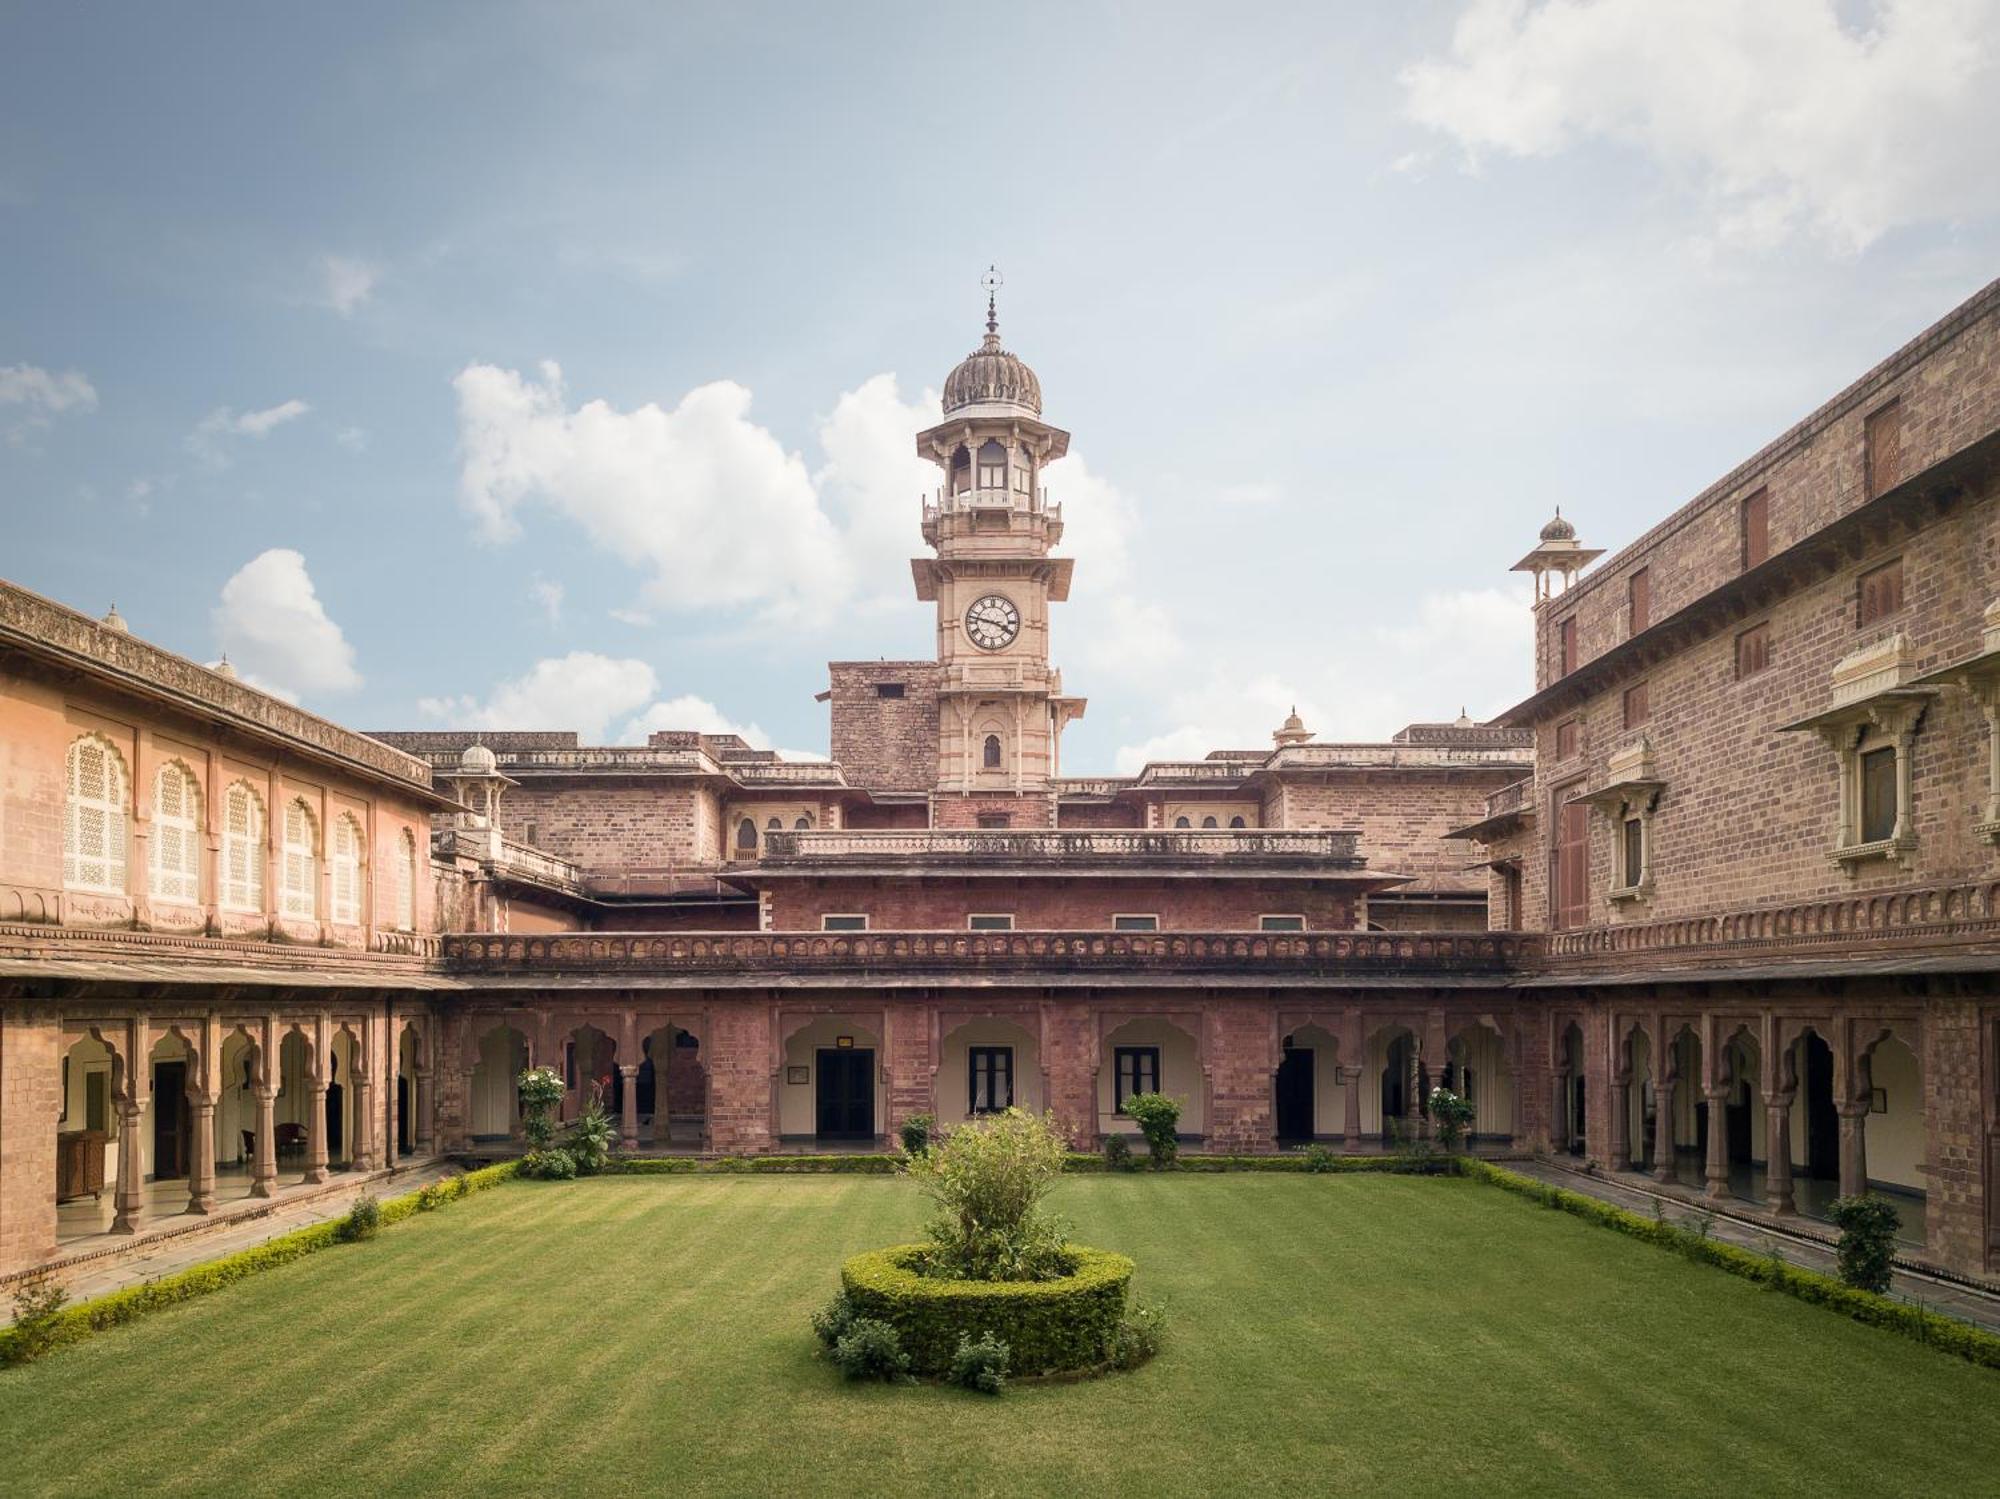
(556, 366)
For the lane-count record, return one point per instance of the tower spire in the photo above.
(992, 281)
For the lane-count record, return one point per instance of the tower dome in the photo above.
(989, 375)
(1559, 529)
(477, 760)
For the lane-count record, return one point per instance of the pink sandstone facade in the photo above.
(1720, 901)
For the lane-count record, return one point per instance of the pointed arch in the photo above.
(404, 875)
(242, 848)
(299, 892)
(97, 816)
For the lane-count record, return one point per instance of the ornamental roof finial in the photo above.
(992, 281)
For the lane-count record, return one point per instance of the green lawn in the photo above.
(1354, 1334)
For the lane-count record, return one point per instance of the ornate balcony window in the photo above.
(1628, 798)
(1871, 727)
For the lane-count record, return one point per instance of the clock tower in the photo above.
(1001, 708)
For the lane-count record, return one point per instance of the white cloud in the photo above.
(1472, 648)
(42, 396)
(354, 439)
(693, 713)
(549, 595)
(349, 282)
(1783, 117)
(639, 619)
(272, 626)
(873, 484)
(705, 500)
(212, 434)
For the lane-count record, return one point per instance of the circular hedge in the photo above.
(1049, 1326)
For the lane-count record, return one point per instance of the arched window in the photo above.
(1024, 473)
(242, 849)
(1208, 822)
(301, 872)
(775, 825)
(175, 847)
(992, 465)
(94, 828)
(346, 856)
(406, 882)
(1236, 822)
(989, 756)
(803, 825)
(961, 471)
(746, 836)
(1182, 822)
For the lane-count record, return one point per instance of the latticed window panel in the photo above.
(176, 840)
(94, 827)
(242, 849)
(406, 882)
(346, 870)
(297, 889)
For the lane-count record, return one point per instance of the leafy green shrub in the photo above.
(916, 1133)
(592, 1138)
(363, 1220)
(1047, 1325)
(831, 1322)
(541, 1089)
(1138, 1337)
(38, 1302)
(551, 1164)
(1316, 1159)
(987, 1179)
(1118, 1154)
(1158, 1118)
(980, 1366)
(1451, 1117)
(871, 1350)
(1867, 1225)
(433, 1196)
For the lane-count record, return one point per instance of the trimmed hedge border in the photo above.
(1049, 1326)
(1974, 1344)
(115, 1309)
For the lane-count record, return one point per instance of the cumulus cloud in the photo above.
(1472, 648)
(1785, 117)
(213, 434)
(272, 626)
(349, 282)
(42, 396)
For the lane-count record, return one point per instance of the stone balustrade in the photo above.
(1062, 847)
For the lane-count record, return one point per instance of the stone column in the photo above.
(316, 1125)
(361, 1153)
(1853, 1147)
(128, 1201)
(628, 1078)
(1717, 1171)
(1621, 1123)
(264, 1167)
(1561, 1129)
(1663, 1131)
(201, 1157)
(423, 1103)
(1778, 1153)
(1350, 1129)
(464, 1132)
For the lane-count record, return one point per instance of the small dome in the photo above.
(1559, 529)
(1464, 720)
(222, 668)
(1292, 719)
(989, 375)
(116, 621)
(478, 760)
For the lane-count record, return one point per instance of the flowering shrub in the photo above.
(1451, 1117)
(592, 1138)
(541, 1089)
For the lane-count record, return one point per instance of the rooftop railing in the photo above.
(1059, 847)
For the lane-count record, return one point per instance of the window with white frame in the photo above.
(346, 856)
(406, 881)
(242, 849)
(174, 850)
(1136, 1069)
(94, 829)
(301, 873)
(989, 1078)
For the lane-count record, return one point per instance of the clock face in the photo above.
(992, 622)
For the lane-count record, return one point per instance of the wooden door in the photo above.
(846, 1093)
(172, 1122)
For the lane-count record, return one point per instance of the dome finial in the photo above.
(992, 281)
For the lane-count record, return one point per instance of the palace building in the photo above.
(1719, 901)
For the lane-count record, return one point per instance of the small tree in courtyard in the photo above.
(1451, 1117)
(988, 1179)
(1867, 1227)
(1158, 1118)
(541, 1089)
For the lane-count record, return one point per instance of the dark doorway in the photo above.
(1822, 1119)
(1395, 1082)
(403, 1146)
(646, 1085)
(1579, 1116)
(171, 1120)
(846, 1086)
(334, 1094)
(1736, 1119)
(1295, 1094)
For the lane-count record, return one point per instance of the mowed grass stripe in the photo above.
(1329, 1334)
